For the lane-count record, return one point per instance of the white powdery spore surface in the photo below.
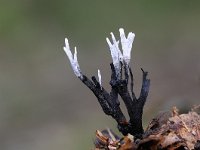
(118, 56)
(116, 53)
(73, 59)
(126, 45)
(99, 77)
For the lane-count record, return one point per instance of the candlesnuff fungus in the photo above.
(167, 131)
(120, 85)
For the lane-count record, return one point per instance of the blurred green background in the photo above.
(43, 106)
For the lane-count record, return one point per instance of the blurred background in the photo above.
(43, 106)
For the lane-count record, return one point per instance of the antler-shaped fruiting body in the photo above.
(119, 85)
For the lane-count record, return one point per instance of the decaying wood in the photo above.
(168, 131)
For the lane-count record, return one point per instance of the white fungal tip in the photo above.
(73, 59)
(66, 43)
(131, 35)
(108, 41)
(113, 38)
(66, 40)
(66, 48)
(99, 77)
(75, 55)
(121, 30)
(126, 45)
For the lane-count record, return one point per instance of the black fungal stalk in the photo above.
(120, 86)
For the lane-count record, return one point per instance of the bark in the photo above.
(167, 131)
